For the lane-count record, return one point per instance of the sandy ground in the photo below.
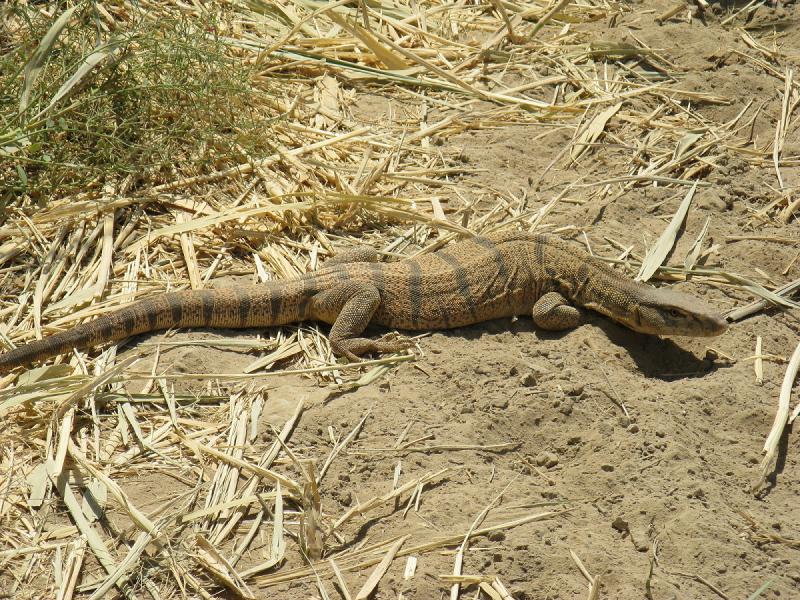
(652, 444)
(645, 448)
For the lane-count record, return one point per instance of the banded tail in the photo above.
(236, 307)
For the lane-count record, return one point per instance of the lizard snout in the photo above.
(717, 325)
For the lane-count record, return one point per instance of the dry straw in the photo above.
(243, 152)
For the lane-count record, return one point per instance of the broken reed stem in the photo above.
(759, 305)
(134, 376)
(548, 16)
(781, 418)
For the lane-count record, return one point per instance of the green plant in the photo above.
(84, 107)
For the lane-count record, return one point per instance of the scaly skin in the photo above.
(500, 275)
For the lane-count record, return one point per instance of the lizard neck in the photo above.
(589, 282)
(597, 286)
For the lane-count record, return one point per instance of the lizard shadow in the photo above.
(656, 357)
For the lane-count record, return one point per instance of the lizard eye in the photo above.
(674, 312)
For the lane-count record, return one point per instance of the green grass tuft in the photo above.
(162, 99)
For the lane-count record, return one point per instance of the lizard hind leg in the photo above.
(554, 313)
(352, 255)
(354, 304)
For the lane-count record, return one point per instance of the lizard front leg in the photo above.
(553, 312)
(353, 305)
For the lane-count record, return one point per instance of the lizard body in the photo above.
(501, 275)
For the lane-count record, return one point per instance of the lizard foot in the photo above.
(352, 348)
(394, 342)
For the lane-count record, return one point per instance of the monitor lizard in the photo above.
(503, 274)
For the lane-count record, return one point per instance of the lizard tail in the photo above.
(236, 307)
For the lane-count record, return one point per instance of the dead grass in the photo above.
(154, 146)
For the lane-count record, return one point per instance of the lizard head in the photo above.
(661, 311)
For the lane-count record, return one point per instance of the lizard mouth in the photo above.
(708, 326)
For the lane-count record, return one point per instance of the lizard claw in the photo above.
(351, 357)
(394, 342)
